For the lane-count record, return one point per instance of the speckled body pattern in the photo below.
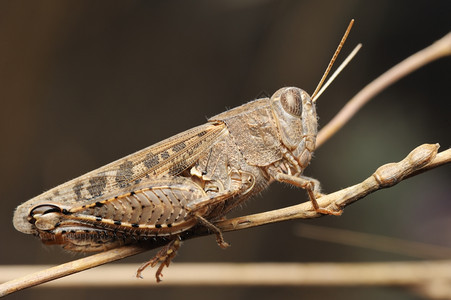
(161, 191)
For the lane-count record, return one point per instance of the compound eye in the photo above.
(42, 210)
(291, 100)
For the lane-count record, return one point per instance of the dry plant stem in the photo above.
(442, 158)
(68, 269)
(437, 50)
(333, 201)
(268, 274)
(429, 278)
(385, 176)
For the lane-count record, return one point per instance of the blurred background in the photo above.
(83, 83)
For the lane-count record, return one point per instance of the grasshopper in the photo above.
(191, 179)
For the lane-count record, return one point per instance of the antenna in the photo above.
(343, 39)
(339, 69)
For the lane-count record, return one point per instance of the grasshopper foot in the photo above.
(325, 211)
(313, 190)
(163, 257)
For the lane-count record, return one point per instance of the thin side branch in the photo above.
(439, 49)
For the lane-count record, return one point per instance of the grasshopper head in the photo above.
(295, 115)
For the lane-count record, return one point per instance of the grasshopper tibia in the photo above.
(219, 237)
(312, 187)
(163, 257)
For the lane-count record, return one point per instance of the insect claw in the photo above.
(159, 273)
(326, 211)
(221, 243)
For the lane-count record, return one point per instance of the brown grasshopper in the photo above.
(192, 178)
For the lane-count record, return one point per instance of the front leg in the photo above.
(312, 187)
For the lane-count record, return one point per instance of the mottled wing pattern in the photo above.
(168, 157)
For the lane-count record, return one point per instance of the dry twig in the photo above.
(419, 160)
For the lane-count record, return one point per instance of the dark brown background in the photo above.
(83, 83)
